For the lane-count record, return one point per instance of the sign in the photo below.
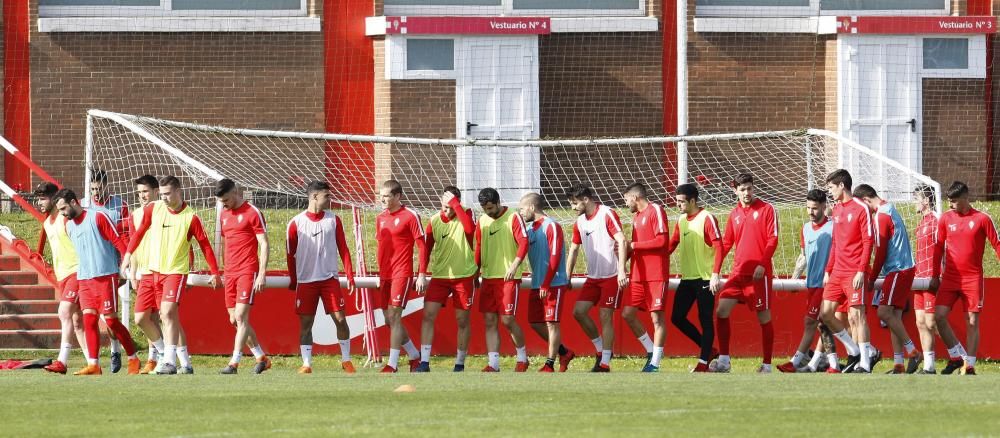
(468, 25)
(916, 25)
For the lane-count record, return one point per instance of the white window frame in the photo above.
(813, 10)
(165, 10)
(506, 8)
(977, 59)
(395, 58)
(509, 9)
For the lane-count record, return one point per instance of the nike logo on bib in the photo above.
(317, 233)
(494, 232)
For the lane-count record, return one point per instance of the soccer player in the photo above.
(547, 257)
(98, 245)
(117, 210)
(961, 239)
(316, 246)
(924, 300)
(814, 244)
(397, 229)
(501, 246)
(650, 272)
(599, 231)
(846, 269)
(753, 230)
(449, 251)
(147, 307)
(894, 261)
(696, 235)
(171, 224)
(64, 263)
(245, 236)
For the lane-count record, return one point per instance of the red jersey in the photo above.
(925, 234)
(396, 233)
(961, 240)
(851, 249)
(753, 230)
(650, 259)
(240, 227)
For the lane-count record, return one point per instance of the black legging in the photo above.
(688, 292)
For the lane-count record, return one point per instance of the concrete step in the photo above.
(10, 263)
(26, 292)
(18, 277)
(31, 321)
(27, 307)
(29, 338)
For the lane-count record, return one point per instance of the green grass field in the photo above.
(623, 403)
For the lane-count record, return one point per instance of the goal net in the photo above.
(273, 167)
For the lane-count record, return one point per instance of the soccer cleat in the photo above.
(185, 370)
(832, 370)
(860, 370)
(166, 368)
(158, 368)
(700, 368)
(56, 367)
(546, 369)
(388, 369)
(521, 367)
(348, 367)
(787, 367)
(715, 366)
(564, 360)
(305, 370)
(764, 368)
(875, 358)
(649, 359)
(490, 369)
(116, 362)
(923, 371)
(914, 361)
(150, 366)
(953, 365)
(459, 367)
(714, 355)
(968, 371)
(852, 361)
(897, 369)
(597, 361)
(262, 365)
(650, 368)
(89, 370)
(230, 369)
(133, 366)
(424, 367)
(414, 363)
(601, 368)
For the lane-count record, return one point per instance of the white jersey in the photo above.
(596, 235)
(315, 245)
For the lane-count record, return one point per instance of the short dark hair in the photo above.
(580, 190)
(743, 178)
(223, 186)
(690, 191)
(817, 195)
(533, 198)
(317, 186)
(46, 190)
(171, 181)
(66, 195)
(864, 191)
(395, 188)
(489, 195)
(927, 192)
(148, 181)
(98, 175)
(957, 189)
(453, 190)
(638, 188)
(840, 176)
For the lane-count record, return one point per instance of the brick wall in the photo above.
(2, 91)
(954, 135)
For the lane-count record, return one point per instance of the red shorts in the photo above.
(650, 296)
(968, 290)
(897, 288)
(840, 289)
(814, 302)
(169, 287)
(307, 295)
(239, 289)
(69, 289)
(145, 295)
(460, 290)
(755, 294)
(602, 292)
(100, 294)
(394, 292)
(924, 300)
(498, 296)
(547, 309)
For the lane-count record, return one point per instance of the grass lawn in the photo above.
(624, 402)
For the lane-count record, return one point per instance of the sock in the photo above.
(562, 350)
(954, 352)
(116, 347)
(170, 355)
(425, 352)
(460, 357)
(345, 350)
(798, 356)
(832, 358)
(866, 358)
(394, 358)
(160, 348)
(646, 342)
(182, 356)
(235, 360)
(970, 361)
(411, 350)
(961, 350)
(929, 358)
(598, 344)
(766, 367)
(722, 329)
(724, 359)
(550, 362)
(849, 345)
(93, 336)
(813, 361)
(908, 347)
(64, 353)
(258, 351)
(606, 357)
(121, 333)
(897, 358)
(522, 354)
(152, 352)
(657, 355)
(494, 359)
(767, 335)
(307, 354)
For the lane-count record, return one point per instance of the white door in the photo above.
(497, 99)
(880, 105)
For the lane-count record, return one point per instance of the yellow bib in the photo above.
(64, 259)
(169, 234)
